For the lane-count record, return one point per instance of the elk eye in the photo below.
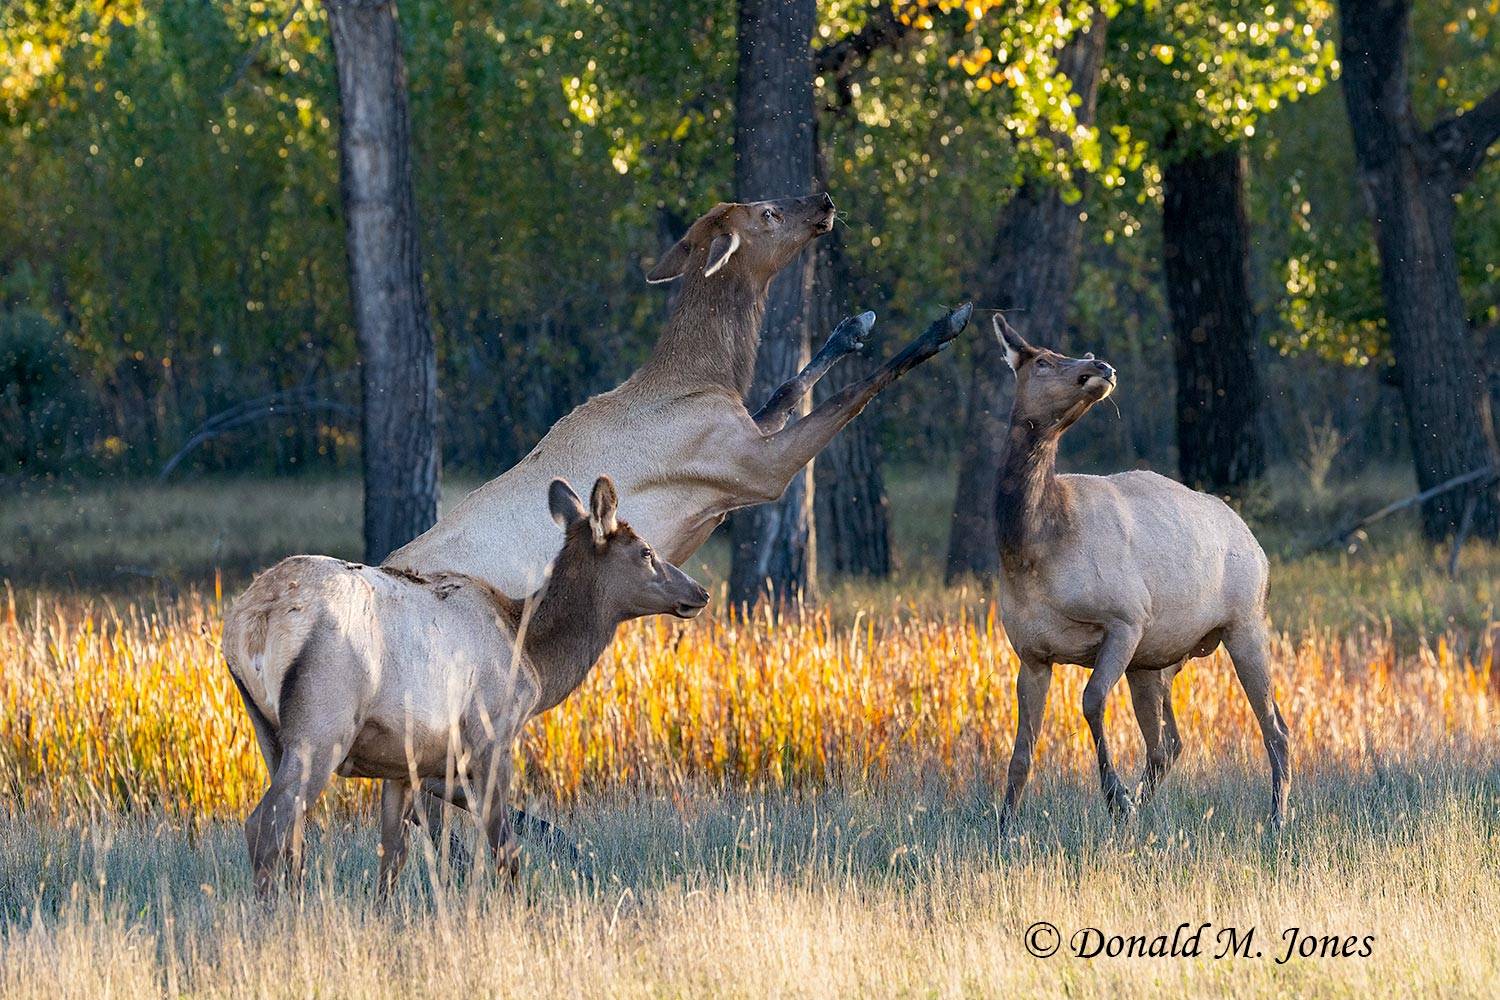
(769, 214)
(1044, 363)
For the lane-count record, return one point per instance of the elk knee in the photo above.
(1093, 703)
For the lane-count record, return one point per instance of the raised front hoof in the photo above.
(851, 334)
(944, 331)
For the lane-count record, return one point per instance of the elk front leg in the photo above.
(1151, 694)
(790, 449)
(551, 836)
(1032, 683)
(1120, 640)
(848, 337)
(395, 801)
(493, 792)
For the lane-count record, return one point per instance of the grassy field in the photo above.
(793, 808)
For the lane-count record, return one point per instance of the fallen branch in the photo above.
(286, 402)
(1486, 473)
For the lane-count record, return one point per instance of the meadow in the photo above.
(793, 807)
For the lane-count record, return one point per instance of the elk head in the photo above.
(1052, 390)
(755, 239)
(604, 561)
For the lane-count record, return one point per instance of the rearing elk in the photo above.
(676, 436)
(1130, 574)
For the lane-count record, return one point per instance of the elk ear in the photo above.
(567, 510)
(719, 252)
(1017, 351)
(605, 504)
(672, 263)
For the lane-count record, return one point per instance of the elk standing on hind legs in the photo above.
(417, 679)
(1129, 574)
(676, 437)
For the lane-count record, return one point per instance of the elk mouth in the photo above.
(688, 609)
(1098, 383)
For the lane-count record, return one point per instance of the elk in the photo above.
(676, 436)
(1129, 574)
(425, 680)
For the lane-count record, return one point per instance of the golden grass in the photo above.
(801, 808)
(794, 896)
(109, 705)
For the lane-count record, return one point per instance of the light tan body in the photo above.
(425, 681)
(676, 437)
(680, 461)
(414, 665)
(1178, 563)
(1129, 575)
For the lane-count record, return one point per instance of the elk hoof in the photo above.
(1121, 802)
(950, 326)
(850, 335)
(959, 318)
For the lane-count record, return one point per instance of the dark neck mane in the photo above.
(1031, 504)
(713, 333)
(565, 634)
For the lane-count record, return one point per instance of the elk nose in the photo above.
(827, 201)
(1104, 369)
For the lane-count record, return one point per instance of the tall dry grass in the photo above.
(801, 808)
(111, 705)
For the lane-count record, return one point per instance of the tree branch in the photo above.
(250, 56)
(886, 28)
(1462, 141)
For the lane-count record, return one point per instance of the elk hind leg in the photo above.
(274, 831)
(1249, 648)
(1151, 696)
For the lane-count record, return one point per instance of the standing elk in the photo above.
(1129, 574)
(426, 679)
(676, 437)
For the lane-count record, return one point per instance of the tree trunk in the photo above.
(1033, 268)
(774, 545)
(398, 358)
(1206, 256)
(1410, 178)
(853, 514)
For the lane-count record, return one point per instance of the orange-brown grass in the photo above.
(110, 705)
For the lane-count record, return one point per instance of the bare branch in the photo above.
(1484, 475)
(1462, 141)
(286, 402)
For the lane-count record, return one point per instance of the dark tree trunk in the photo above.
(1206, 256)
(853, 514)
(1033, 268)
(398, 359)
(1410, 178)
(774, 546)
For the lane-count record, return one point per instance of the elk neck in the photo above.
(712, 336)
(1031, 503)
(567, 631)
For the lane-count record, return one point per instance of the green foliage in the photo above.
(169, 182)
(1192, 74)
(1328, 284)
(42, 398)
